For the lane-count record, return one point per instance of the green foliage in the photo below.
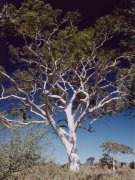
(53, 53)
(114, 148)
(31, 15)
(1, 68)
(50, 38)
(21, 150)
(2, 78)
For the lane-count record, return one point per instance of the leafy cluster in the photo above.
(114, 148)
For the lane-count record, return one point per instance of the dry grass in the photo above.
(57, 172)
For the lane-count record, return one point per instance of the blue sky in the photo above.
(118, 128)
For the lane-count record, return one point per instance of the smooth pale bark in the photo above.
(113, 164)
(70, 144)
(72, 153)
(72, 150)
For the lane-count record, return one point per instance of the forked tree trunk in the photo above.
(69, 142)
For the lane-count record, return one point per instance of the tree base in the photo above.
(74, 162)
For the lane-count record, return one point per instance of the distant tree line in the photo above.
(107, 159)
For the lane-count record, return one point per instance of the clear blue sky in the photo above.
(118, 128)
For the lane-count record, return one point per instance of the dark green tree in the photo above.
(132, 165)
(106, 160)
(90, 160)
(60, 68)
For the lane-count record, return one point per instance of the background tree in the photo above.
(60, 68)
(90, 160)
(21, 150)
(132, 165)
(106, 160)
(113, 148)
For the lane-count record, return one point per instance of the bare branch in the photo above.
(8, 122)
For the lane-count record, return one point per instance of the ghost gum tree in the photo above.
(60, 68)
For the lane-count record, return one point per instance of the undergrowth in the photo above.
(56, 172)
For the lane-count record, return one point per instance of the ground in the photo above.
(56, 172)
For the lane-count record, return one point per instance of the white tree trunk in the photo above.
(72, 153)
(71, 145)
(69, 139)
(74, 161)
(113, 164)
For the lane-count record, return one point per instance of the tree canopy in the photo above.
(114, 148)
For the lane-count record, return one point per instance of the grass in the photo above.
(56, 172)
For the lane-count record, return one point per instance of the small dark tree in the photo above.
(132, 165)
(90, 160)
(106, 160)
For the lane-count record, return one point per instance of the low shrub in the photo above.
(52, 171)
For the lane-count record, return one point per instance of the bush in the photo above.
(20, 151)
(132, 165)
